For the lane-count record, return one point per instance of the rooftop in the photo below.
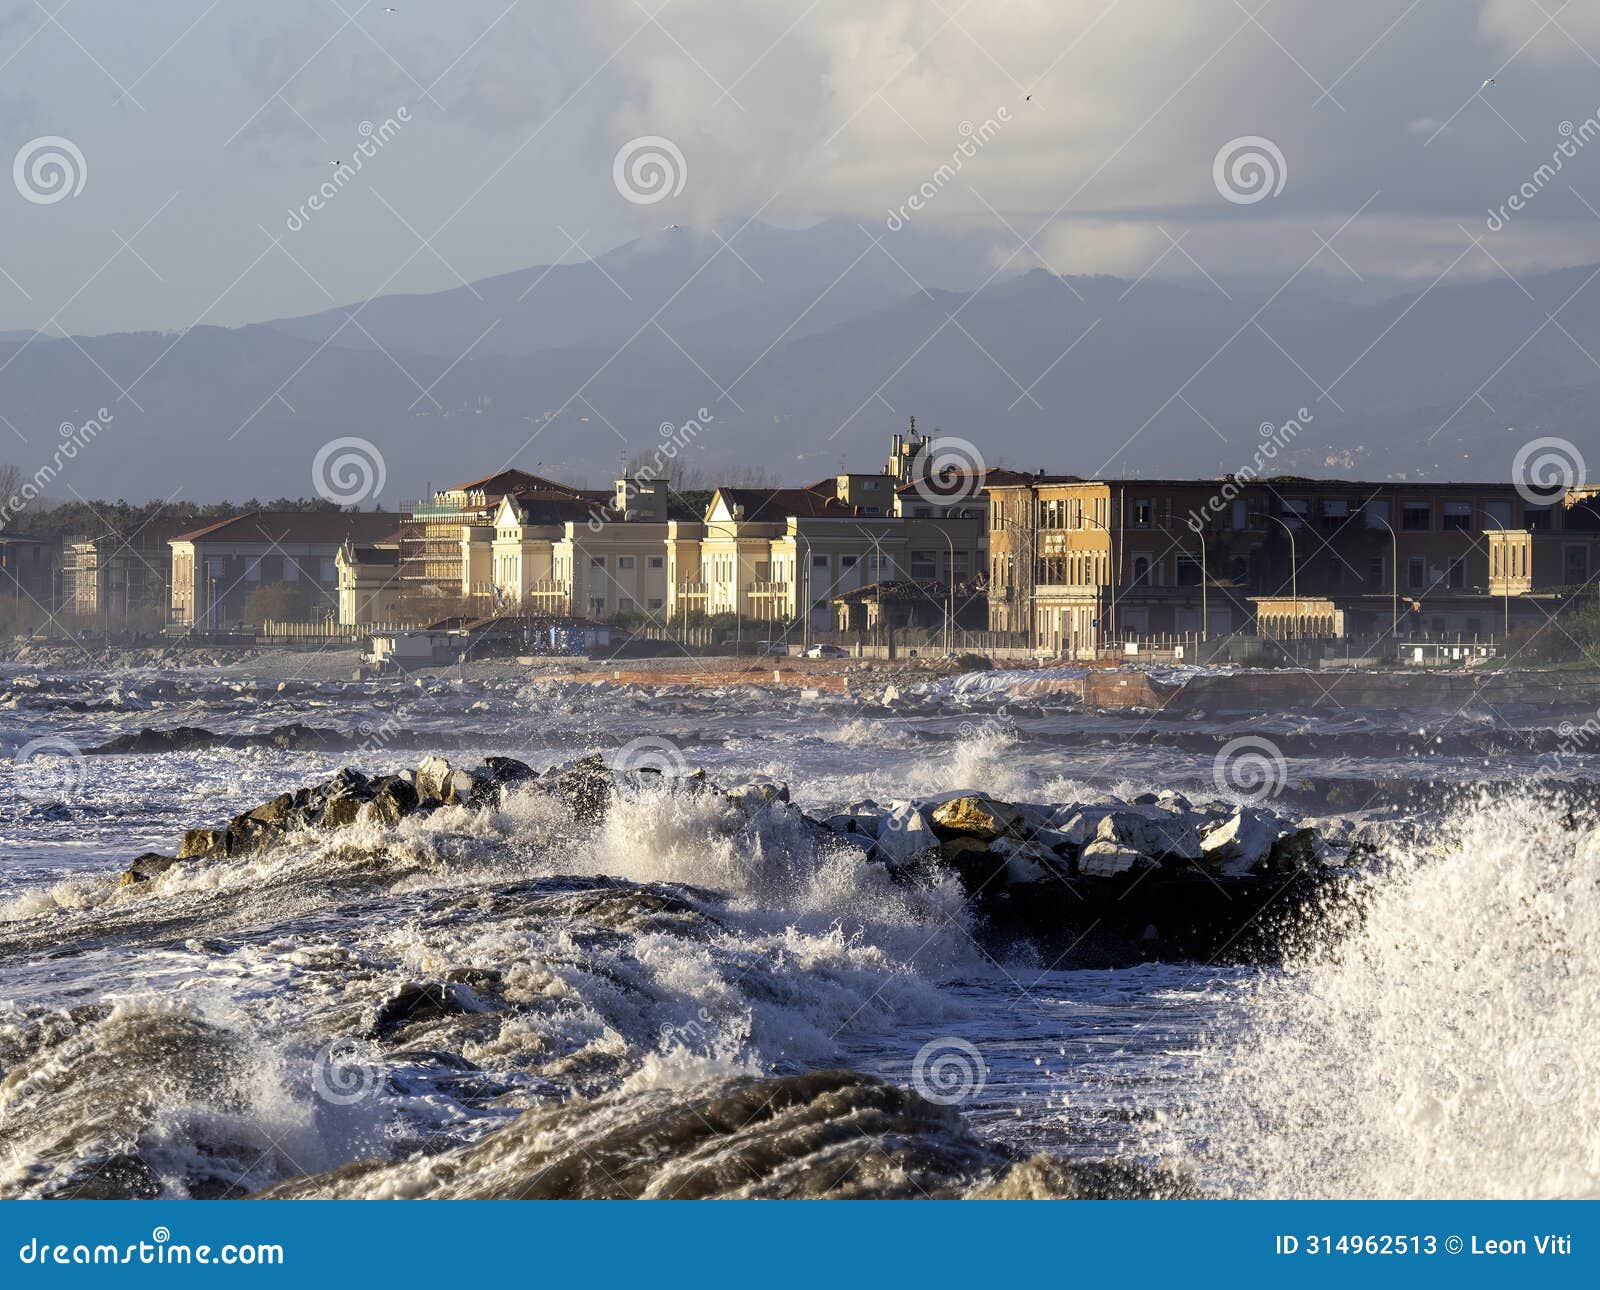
(271, 528)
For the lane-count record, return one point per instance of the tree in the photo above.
(279, 601)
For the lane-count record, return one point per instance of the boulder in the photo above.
(1107, 858)
(1241, 843)
(394, 800)
(1294, 852)
(460, 787)
(146, 868)
(756, 794)
(976, 816)
(508, 770)
(905, 834)
(584, 788)
(342, 810)
(278, 811)
(203, 844)
(431, 777)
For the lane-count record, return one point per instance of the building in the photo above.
(1080, 564)
(28, 568)
(368, 577)
(446, 544)
(560, 557)
(216, 568)
(123, 576)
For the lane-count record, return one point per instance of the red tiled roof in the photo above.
(511, 481)
(269, 527)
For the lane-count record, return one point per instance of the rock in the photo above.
(583, 787)
(146, 868)
(342, 810)
(422, 1002)
(203, 844)
(394, 800)
(756, 794)
(963, 848)
(1294, 852)
(431, 777)
(859, 819)
(278, 811)
(1241, 842)
(460, 787)
(975, 816)
(508, 770)
(1105, 858)
(247, 834)
(904, 834)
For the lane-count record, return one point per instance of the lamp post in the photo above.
(1294, 580)
(1505, 572)
(1205, 613)
(1111, 544)
(950, 586)
(803, 589)
(1394, 577)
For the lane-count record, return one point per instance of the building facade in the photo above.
(122, 577)
(217, 568)
(1080, 564)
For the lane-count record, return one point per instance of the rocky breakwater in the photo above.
(1111, 882)
(1086, 883)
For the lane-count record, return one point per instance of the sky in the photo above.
(1094, 136)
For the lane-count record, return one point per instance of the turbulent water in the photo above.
(687, 999)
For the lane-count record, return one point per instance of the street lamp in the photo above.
(1294, 579)
(1394, 577)
(1505, 570)
(1205, 614)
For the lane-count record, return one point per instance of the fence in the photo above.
(321, 632)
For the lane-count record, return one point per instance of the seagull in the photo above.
(1486, 85)
(336, 163)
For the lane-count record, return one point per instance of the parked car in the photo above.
(827, 651)
(780, 648)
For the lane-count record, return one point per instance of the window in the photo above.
(1241, 514)
(328, 572)
(924, 568)
(624, 562)
(653, 604)
(597, 562)
(1499, 512)
(291, 571)
(921, 512)
(1458, 515)
(1456, 575)
(1536, 517)
(252, 570)
(1188, 571)
(1143, 513)
(597, 606)
(1141, 571)
(819, 562)
(1416, 517)
(657, 562)
(847, 562)
(1376, 573)
(1295, 510)
(1376, 512)
(1416, 573)
(1335, 512)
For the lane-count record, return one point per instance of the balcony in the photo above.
(691, 589)
(768, 589)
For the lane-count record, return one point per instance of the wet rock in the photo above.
(508, 770)
(1294, 852)
(203, 844)
(278, 811)
(756, 794)
(584, 788)
(430, 779)
(394, 799)
(976, 816)
(176, 739)
(146, 868)
(905, 834)
(1242, 842)
(416, 1001)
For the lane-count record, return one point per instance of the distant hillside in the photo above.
(576, 370)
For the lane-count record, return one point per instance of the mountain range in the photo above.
(807, 348)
